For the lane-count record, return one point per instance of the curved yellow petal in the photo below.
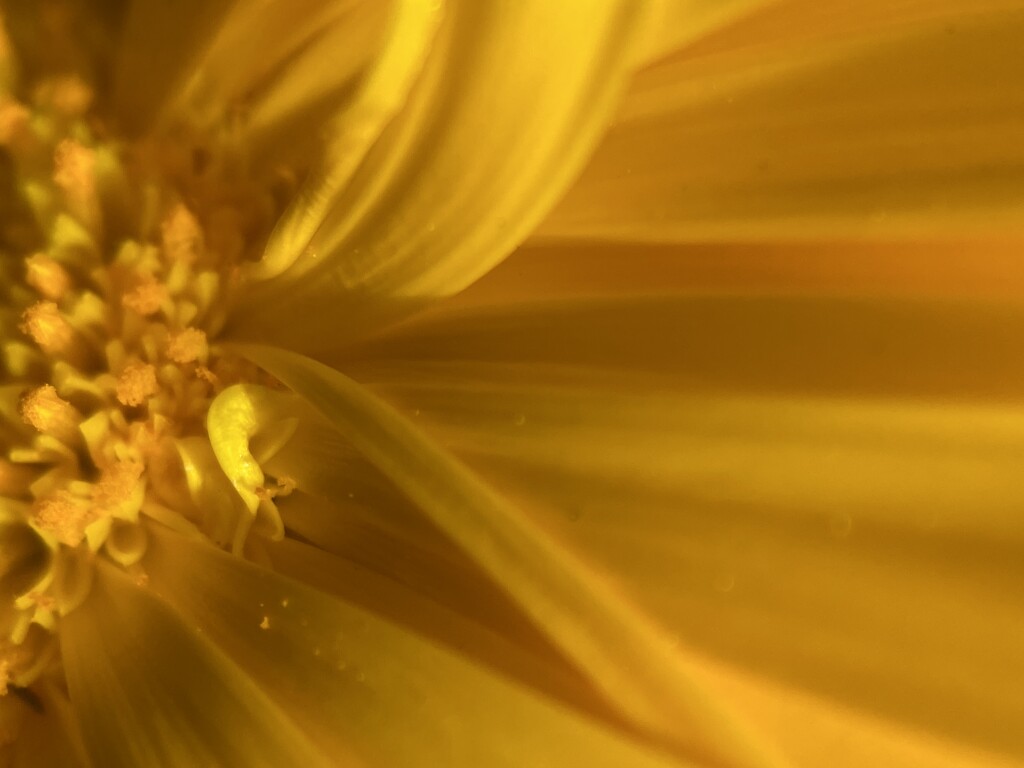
(148, 690)
(355, 125)
(821, 491)
(511, 99)
(882, 124)
(199, 61)
(392, 698)
(158, 46)
(639, 670)
(678, 22)
(815, 731)
(981, 269)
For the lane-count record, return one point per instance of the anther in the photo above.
(48, 328)
(74, 172)
(136, 384)
(181, 236)
(188, 346)
(146, 298)
(63, 516)
(47, 276)
(50, 414)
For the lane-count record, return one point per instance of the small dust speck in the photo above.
(265, 624)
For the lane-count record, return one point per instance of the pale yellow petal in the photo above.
(985, 269)
(814, 731)
(678, 22)
(355, 123)
(639, 669)
(347, 507)
(158, 46)
(822, 491)
(462, 618)
(281, 66)
(391, 697)
(512, 98)
(148, 690)
(878, 124)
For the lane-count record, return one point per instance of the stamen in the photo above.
(181, 235)
(146, 298)
(64, 516)
(74, 172)
(188, 346)
(47, 276)
(48, 328)
(136, 384)
(117, 483)
(50, 414)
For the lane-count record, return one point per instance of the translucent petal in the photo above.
(159, 45)
(288, 65)
(943, 348)
(393, 698)
(821, 491)
(639, 670)
(989, 269)
(814, 731)
(458, 619)
(681, 21)
(147, 689)
(356, 123)
(510, 101)
(201, 60)
(838, 123)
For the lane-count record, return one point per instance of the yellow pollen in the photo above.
(136, 384)
(47, 327)
(117, 483)
(74, 167)
(74, 172)
(48, 277)
(146, 298)
(188, 346)
(181, 235)
(211, 378)
(49, 413)
(64, 516)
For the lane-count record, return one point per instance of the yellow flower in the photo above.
(718, 467)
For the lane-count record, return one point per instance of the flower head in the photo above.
(265, 499)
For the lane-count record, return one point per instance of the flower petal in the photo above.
(148, 690)
(395, 699)
(823, 491)
(637, 668)
(201, 60)
(158, 46)
(814, 731)
(838, 123)
(510, 101)
(989, 269)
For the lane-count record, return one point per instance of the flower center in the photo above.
(118, 261)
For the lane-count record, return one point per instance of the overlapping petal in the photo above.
(147, 689)
(818, 119)
(511, 99)
(821, 490)
(351, 678)
(640, 670)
